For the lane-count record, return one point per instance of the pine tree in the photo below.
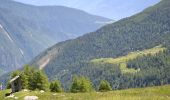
(15, 73)
(39, 81)
(26, 76)
(8, 86)
(75, 87)
(81, 84)
(32, 79)
(104, 86)
(86, 85)
(56, 86)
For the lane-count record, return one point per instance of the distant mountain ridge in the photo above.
(27, 30)
(114, 9)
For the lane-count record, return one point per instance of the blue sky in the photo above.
(114, 9)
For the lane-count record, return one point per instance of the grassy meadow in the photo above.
(149, 93)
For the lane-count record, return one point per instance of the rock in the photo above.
(15, 97)
(30, 98)
(25, 90)
(11, 96)
(42, 91)
(54, 94)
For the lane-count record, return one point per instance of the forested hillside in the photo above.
(145, 30)
(27, 30)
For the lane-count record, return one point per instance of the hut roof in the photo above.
(16, 77)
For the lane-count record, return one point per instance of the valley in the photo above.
(57, 52)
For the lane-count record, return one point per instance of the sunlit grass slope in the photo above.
(122, 61)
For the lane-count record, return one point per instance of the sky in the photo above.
(113, 9)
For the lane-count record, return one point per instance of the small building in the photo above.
(16, 84)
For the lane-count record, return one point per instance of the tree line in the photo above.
(33, 79)
(154, 71)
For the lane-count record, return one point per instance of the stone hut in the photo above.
(16, 84)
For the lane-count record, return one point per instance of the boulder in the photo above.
(30, 98)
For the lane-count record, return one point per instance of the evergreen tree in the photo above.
(15, 73)
(31, 79)
(56, 86)
(26, 76)
(86, 85)
(104, 86)
(75, 85)
(8, 85)
(39, 81)
(81, 84)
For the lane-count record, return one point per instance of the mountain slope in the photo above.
(27, 30)
(145, 30)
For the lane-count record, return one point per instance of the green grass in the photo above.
(150, 93)
(122, 61)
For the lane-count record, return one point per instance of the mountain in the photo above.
(141, 32)
(109, 8)
(27, 30)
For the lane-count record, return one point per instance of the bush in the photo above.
(104, 86)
